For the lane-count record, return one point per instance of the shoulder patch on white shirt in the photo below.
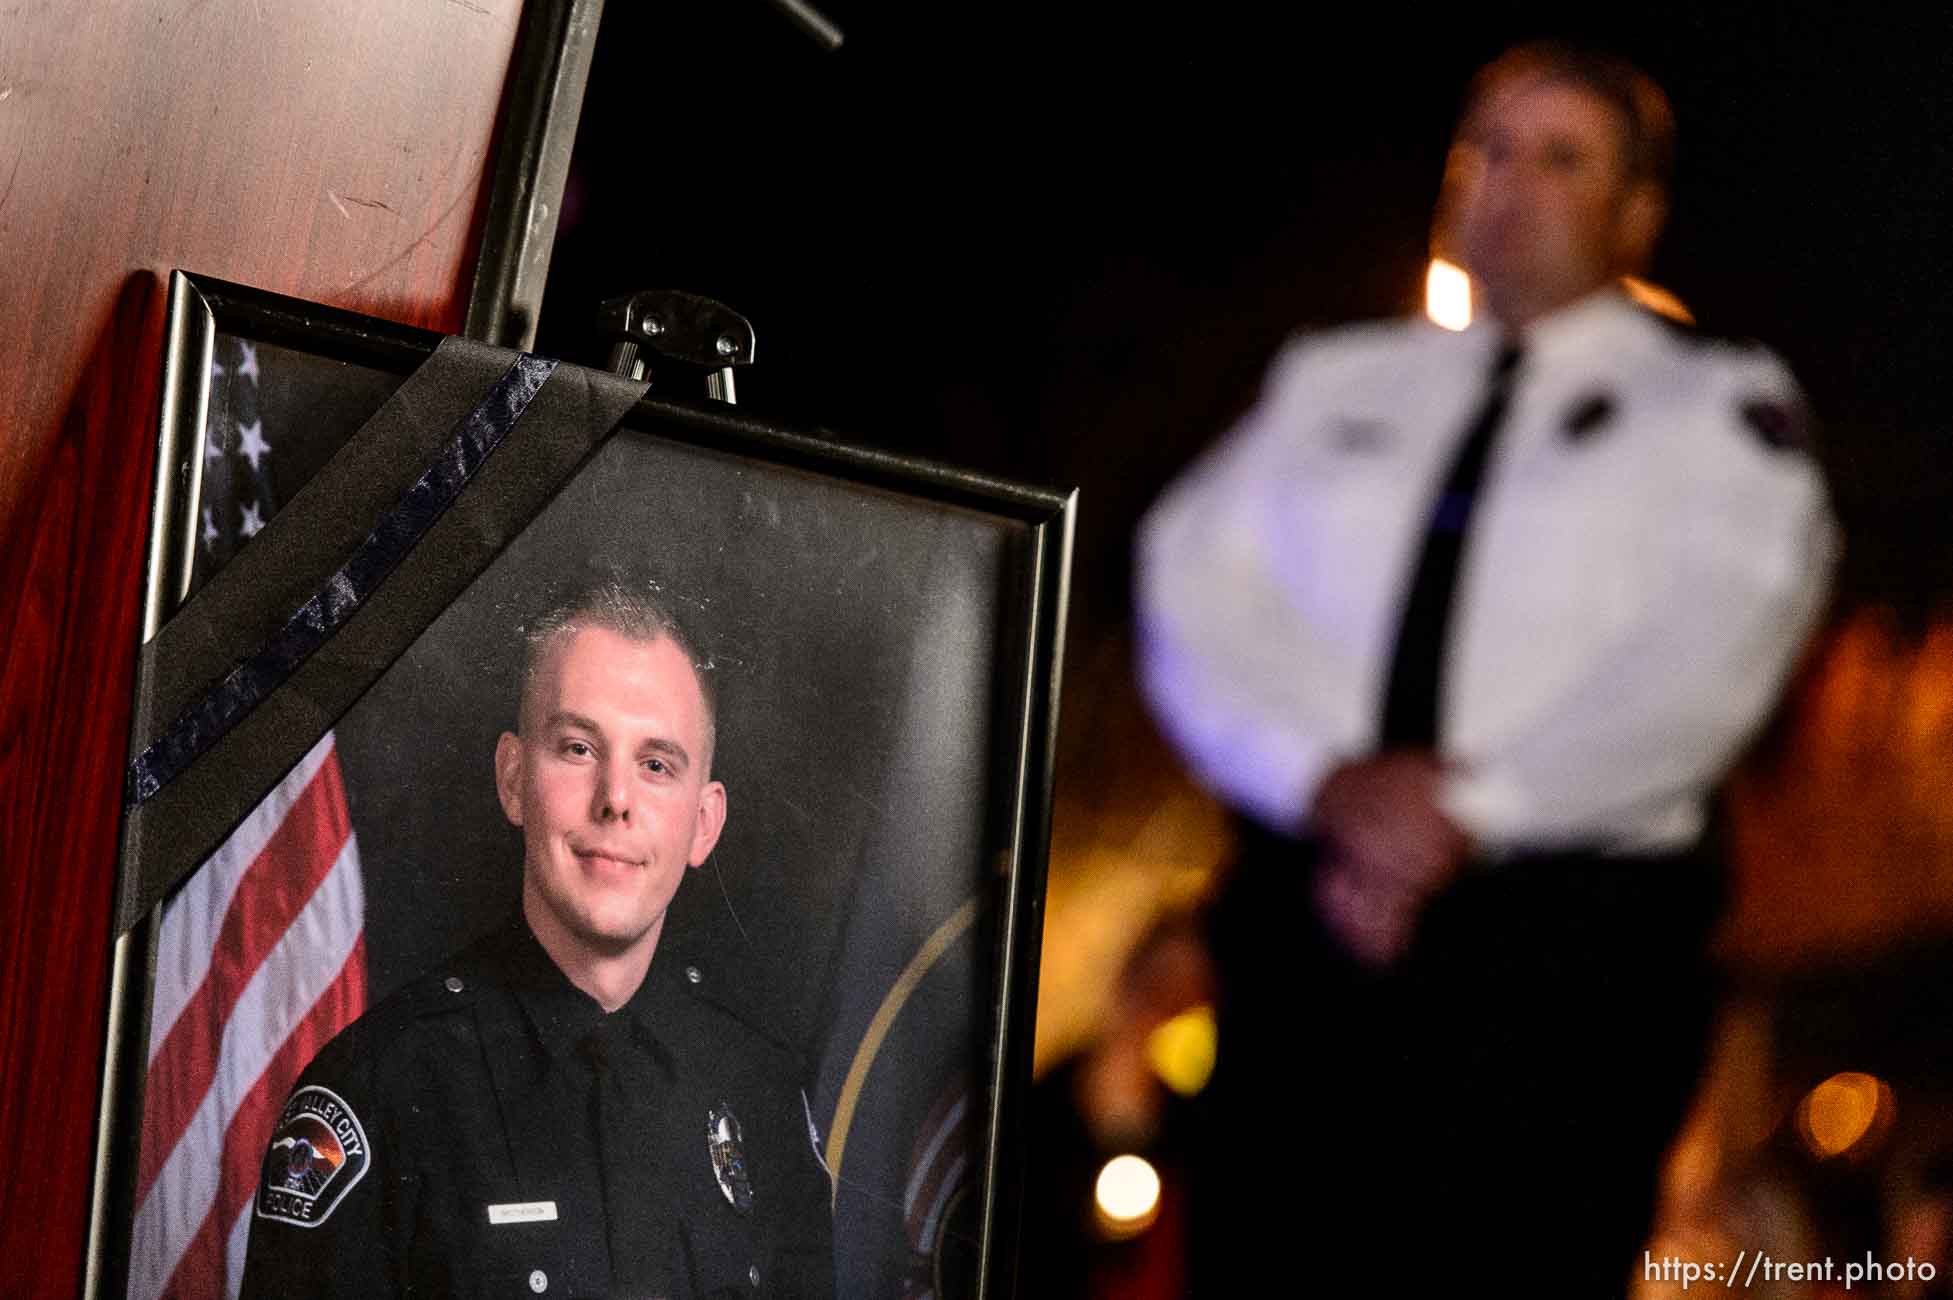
(1782, 425)
(1589, 416)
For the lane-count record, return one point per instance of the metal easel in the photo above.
(665, 334)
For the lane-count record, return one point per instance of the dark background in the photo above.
(1061, 241)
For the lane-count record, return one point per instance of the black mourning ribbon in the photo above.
(1412, 699)
(633, 1221)
(247, 685)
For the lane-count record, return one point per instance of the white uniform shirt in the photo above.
(1643, 565)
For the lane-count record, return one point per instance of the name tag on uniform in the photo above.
(523, 1212)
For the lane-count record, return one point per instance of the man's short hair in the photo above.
(1649, 137)
(634, 609)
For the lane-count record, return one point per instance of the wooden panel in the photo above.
(333, 150)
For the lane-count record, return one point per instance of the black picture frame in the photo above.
(872, 574)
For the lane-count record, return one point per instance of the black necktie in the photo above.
(639, 1250)
(1411, 701)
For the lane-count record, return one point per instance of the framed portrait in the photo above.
(355, 530)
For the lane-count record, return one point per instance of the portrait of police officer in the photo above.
(1468, 625)
(583, 1103)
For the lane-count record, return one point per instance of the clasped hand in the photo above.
(1390, 848)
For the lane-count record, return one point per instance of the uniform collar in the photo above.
(1580, 324)
(1573, 328)
(559, 1013)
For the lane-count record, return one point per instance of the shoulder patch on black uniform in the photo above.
(317, 1153)
(1783, 426)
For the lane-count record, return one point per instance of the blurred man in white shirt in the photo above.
(1470, 625)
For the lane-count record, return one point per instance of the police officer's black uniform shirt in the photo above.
(489, 1130)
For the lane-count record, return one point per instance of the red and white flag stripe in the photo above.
(261, 961)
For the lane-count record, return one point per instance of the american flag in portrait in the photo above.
(261, 954)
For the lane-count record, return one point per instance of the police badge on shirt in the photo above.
(726, 1146)
(318, 1152)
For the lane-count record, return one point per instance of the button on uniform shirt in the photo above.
(1649, 548)
(489, 1130)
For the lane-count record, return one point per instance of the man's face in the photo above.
(1538, 204)
(608, 782)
